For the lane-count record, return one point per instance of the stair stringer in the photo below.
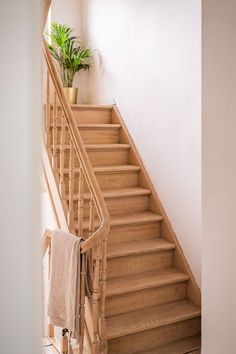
(180, 261)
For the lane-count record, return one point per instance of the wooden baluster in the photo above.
(81, 203)
(50, 326)
(62, 158)
(103, 290)
(54, 142)
(91, 216)
(47, 112)
(82, 302)
(96, 342)
(71, 187)
(91, 224)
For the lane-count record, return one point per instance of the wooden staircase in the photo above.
(152, 302)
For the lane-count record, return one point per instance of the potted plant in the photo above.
(71, 57)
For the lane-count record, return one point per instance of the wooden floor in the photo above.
(48, 348)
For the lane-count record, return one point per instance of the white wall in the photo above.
(219, 177)
(20, 108)
(70, 12)
(151, 66)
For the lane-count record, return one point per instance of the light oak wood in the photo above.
(145, 295)
(99, 154)
(93, 133)
(108, 154)
(111, 177)
(129, 200)
(156, 337)
(92, 114)
(128, 233)
(62, 159)
(142, 290)
(189, 345)
(126, 219)
(77, 153)
(156, 206)
(80, 153)
(135, 282)
(151, 317)
(134, 264)
(57, 205)
(139, 247)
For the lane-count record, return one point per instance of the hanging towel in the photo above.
(64, 288)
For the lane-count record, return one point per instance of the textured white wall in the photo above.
(20, 108)
(151, 66)
(219, 177)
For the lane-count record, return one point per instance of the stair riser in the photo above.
(101, 157)
(87, 116)
(145, 298)
(120, 266)
(92, 116)
(138, 232)
(117, 180)
(109, 180)
(108, 157)
(143, 341)
(131, 233)
(120, 205)
(93, 136)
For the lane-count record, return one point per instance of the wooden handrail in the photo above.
(82, 154)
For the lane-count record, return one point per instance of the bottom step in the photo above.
(190, 345)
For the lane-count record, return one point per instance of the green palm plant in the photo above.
(66, 49)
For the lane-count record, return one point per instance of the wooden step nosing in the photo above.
(106, 147)
(116, 170)
(114, 224)
(158, 249)
(137, 222)
(99, 126)
(194, 314)
(148, 285)
(92, 106)
(92, 126)
(117, 195)
(134, 223)
(106, 170)
(99, 147)
(100, 107)
(192, 347)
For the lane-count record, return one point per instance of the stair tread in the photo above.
(136, 247)
(99, 126)
(126, 219)
(107, 146)
(92, 125)
(135, 282)
(123, 192)
(118, 192)
(95, 147)
(92, 106)
(115, 168)
(109, 169)
(152, 317)
(183, 346)
(139, 217)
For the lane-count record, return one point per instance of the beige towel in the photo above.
(64, 290)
